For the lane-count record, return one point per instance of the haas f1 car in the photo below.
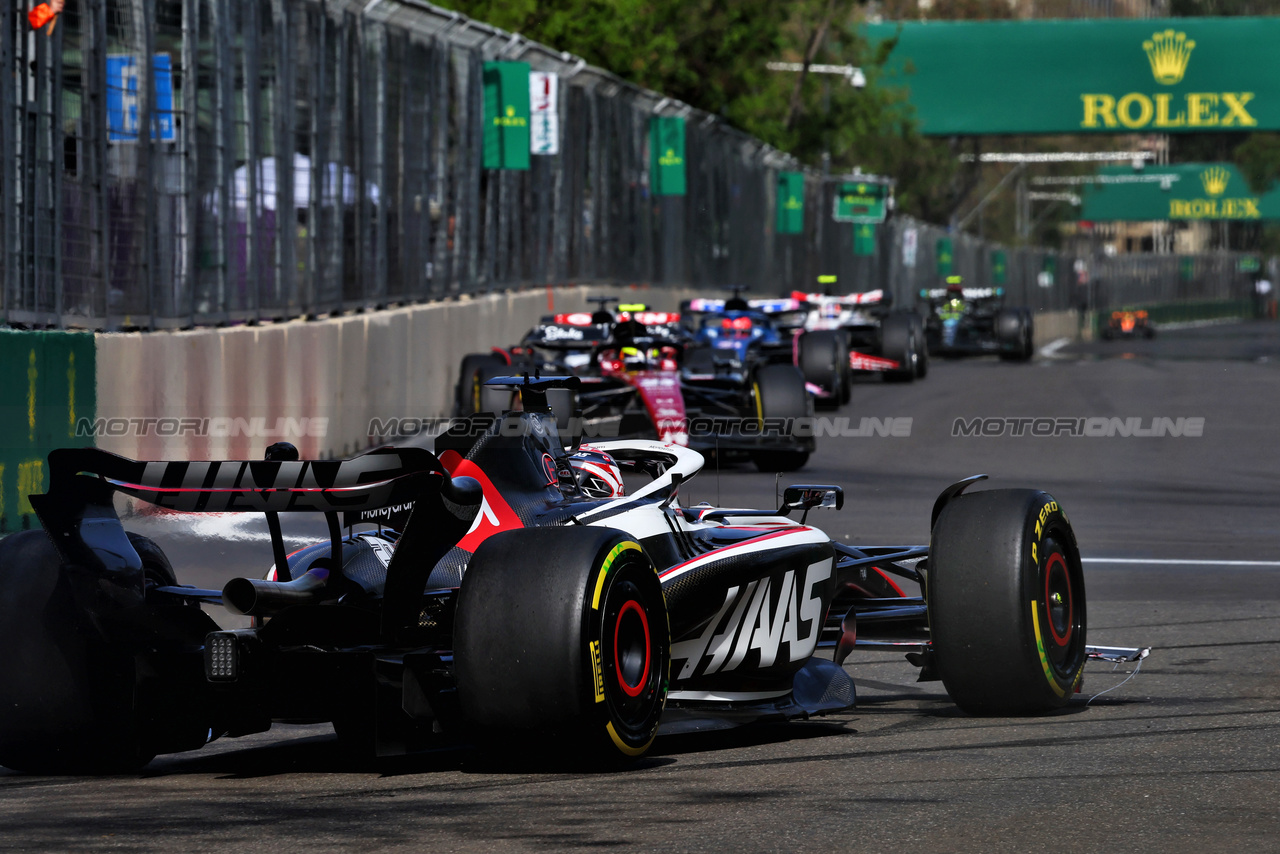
(864, 330)
(644, 375)
(975, 322)
(505, 591)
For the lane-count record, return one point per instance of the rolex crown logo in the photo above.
(1169, 53)
(1215, 180)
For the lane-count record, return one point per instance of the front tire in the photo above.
(562, 642)
(1006, 603)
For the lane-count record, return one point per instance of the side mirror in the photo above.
(805, 496)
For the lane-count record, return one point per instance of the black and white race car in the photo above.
(506, 591)
(977, 322)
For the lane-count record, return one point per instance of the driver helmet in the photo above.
(598, 473)
(634, 359)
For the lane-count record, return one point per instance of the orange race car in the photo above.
(1128, 324)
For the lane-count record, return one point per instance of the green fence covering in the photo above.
(49, 383)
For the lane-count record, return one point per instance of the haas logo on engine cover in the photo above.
(759, 616)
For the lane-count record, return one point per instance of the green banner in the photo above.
(1173, 75)
(1183, 191)
(50, 384)
(864, 239)
(1186, 268)
(790, 203)
(506, 115)
(999, 266)
(860, 201)
(666, 156)
(945, 256)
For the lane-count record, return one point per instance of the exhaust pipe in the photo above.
(252, 598)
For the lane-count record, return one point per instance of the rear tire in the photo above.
(1014, 330)
(562, 644)
(922, 348)
(488, 399)
(68, 693)
(1007, 603)
(824, 361)
(898, 341)
(780, 393)
(464, 396)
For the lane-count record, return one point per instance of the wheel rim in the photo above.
(1061, 610)
(631, 642)
(633, 659)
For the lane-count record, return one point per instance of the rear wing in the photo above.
(78, 513)
(869, 298)
(378, 479)
(969, 293)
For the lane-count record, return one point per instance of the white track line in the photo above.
(1182, 562)
(1050, 350)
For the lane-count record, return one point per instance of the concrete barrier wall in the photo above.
(228, 393)
(1050, 326)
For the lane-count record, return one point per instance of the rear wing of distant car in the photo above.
(868, 298)
(939, 294)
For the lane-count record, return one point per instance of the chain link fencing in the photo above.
(290, 158)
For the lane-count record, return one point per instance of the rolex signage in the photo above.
(860, 201)
(506, 115)
(790, 203)
(943, 254)
(666, 156)
(999, 266)
(864, 239)
(1181, 191)
(1174, 75)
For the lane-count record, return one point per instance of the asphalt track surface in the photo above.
(1182, 540)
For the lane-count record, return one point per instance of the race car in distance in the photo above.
(975, 322)
(643, 375)
(1128, 324)
(876, 338)
(489, 598)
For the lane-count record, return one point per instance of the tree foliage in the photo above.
(712, 54)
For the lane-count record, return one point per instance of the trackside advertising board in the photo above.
(506, 115)
(49, 383)
(1171, 75)
(1191, 191)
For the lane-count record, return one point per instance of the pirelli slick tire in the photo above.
(68, 695)
(824, 361)
(562, 646)
(780, 395)
(485, 398)
(465, 393)
(1016, 333)
(899, 340)
(922, 348)
(1006, 603)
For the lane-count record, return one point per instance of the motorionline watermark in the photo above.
(1090, 427)
(221, 427)
(611, 428)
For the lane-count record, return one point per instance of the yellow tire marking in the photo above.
(621, 745)
(604, 569)
(1044, 659)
